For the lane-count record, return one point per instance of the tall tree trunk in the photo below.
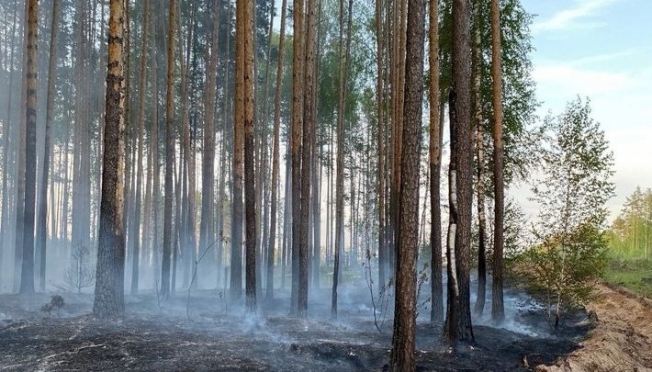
(476, 102)
(169, 155)
(142, 84)
(246, 83)
(275, 156)
(81, 201)
(458, 322)
(188, 241)
(41, 234)
(297, 126)
(7, 130)
(109, 283)
(382, 254)
(309, 118)
(341, 114)
(403, 340)
(436, 266)
(287, 217)
(207, 233)
(27, 272)
(497, 307)
(238, 157)
(19, 189)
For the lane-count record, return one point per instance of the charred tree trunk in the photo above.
(436, 295)
(458, 321)
(246, 83)
(403, 340)
(109, 283)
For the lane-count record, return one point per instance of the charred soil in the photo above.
(158, 336)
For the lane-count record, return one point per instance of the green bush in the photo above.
(561, 270)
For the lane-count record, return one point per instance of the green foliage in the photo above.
(576, 184)
(520, 136)
(633, 274)
(630, 235)
(561, 269)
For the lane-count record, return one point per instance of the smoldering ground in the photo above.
(210, 334)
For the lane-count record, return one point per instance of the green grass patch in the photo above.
(635, 275)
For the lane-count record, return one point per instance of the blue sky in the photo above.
(601, 49)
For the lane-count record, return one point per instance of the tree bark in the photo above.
(142, 81)
(458, 322)
(246, 83)
(403, 339)
(437, 293)
(238, 158)
(497, 307)
(275, 156)
(169, 156)
(476, 102)
(343, 53)
(27, 271)
(207, 233)
(41, 233)
(109, 283)
(297, 125)
(306, 155)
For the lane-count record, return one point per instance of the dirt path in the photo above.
(621, 341)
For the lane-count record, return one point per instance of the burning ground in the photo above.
(159, 336)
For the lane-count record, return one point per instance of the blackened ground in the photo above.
(158, 336)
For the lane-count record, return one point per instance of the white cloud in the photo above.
(569, 79)
(570, 18)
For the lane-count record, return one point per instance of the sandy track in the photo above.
(621, 341)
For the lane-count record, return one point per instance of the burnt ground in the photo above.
(159, 337)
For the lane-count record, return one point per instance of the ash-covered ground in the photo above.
(213, 335)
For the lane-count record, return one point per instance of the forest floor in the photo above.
(155, 336)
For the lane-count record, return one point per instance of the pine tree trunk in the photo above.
(339, 182)
(476, 102)
(246, 83)
(497, 307)
(41, 234)
(275, 157)
(27, 271)
(436, 144)
(297, 126)
(19, 187)
(238, 158)
(458, 322)
(403, 340)
(142, 80)
(109, 283)
(207, 233)
(169, 156)
(309, 118)
(7, 128)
